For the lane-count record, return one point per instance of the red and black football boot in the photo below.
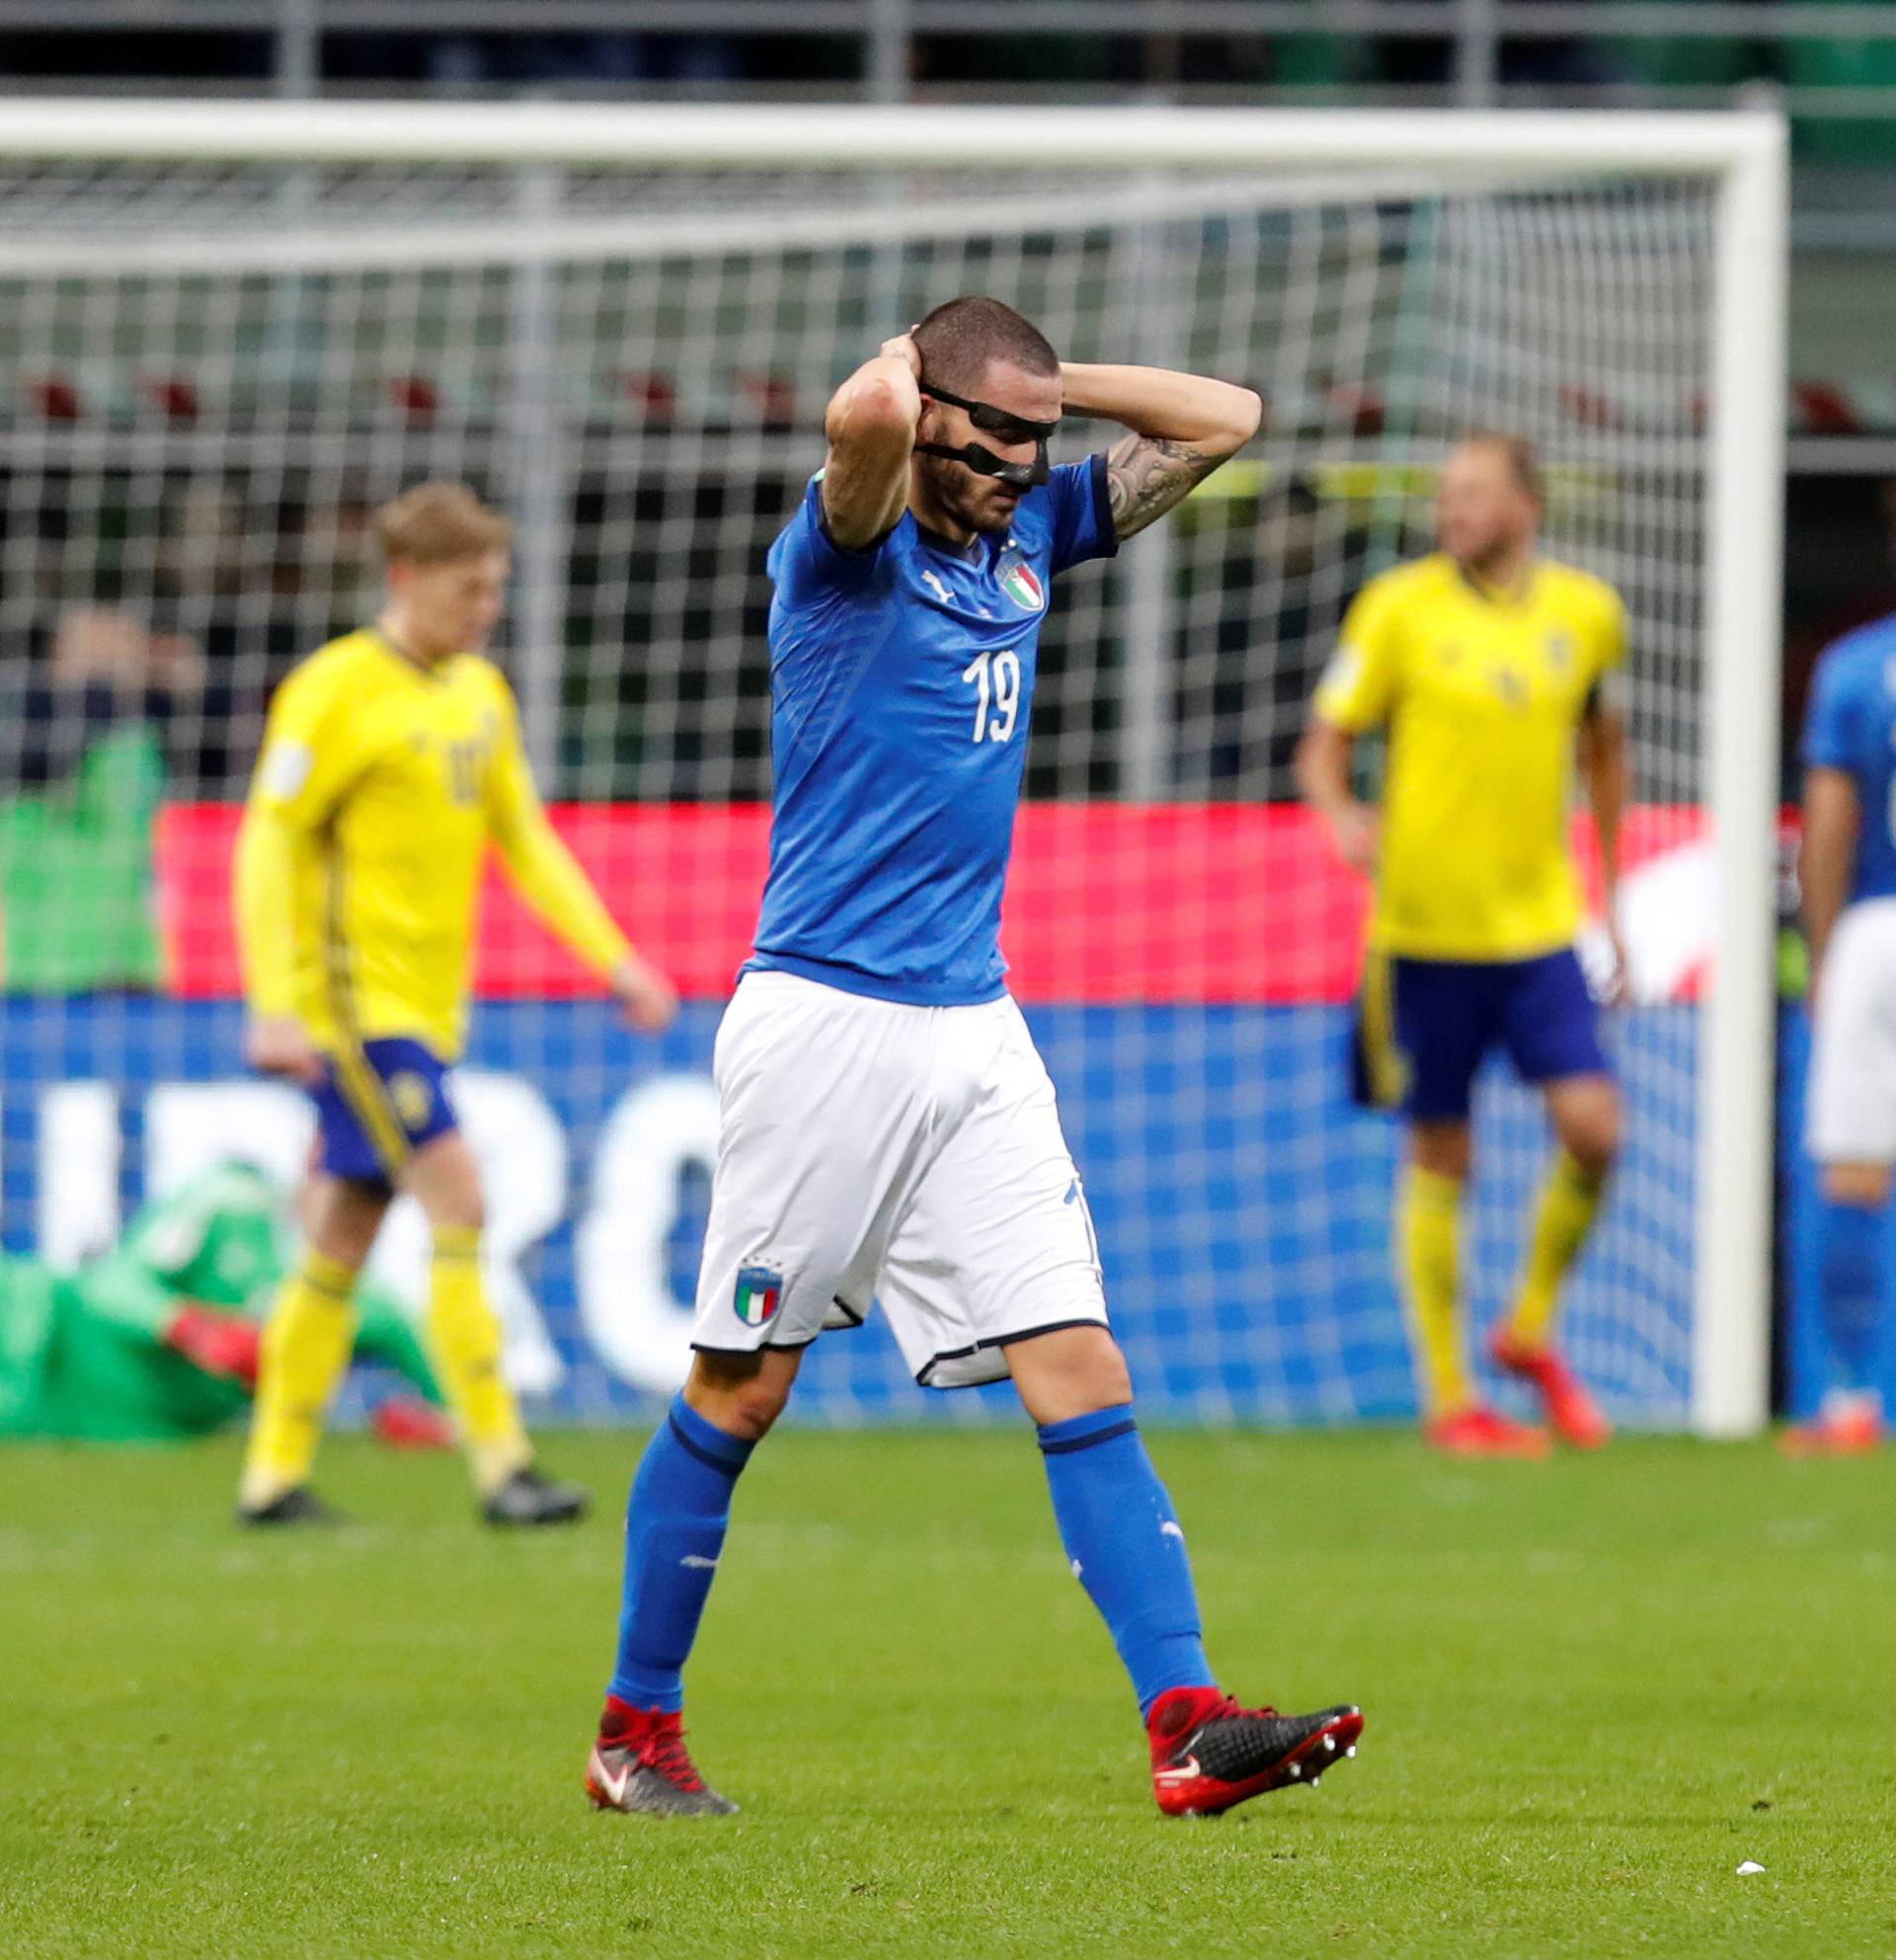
(640, 1764)
(1208, 1754)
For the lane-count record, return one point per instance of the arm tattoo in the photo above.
(1146, 475)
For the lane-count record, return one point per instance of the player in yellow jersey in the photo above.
(391, 761)
(1493, 671)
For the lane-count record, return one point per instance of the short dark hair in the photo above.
(960, 338)
(1524, 459)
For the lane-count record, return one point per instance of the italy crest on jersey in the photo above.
(1023, 587)
(758, 1296)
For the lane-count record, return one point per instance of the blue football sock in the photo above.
(1851, 1267)
(1127, 1549)
(674, 1527)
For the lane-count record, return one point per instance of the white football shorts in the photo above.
(1852, 1112)
(869, 1150)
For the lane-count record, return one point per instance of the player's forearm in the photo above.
(1828, 856)
(1823, 894)
(1323, 764)
(1183, 427)
(264, 886)
(1213, 417)
(881, 398)
(871, 430)
(1609, 774)
(548, 877)
(1322, 769)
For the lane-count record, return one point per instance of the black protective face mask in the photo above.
(1011, 429)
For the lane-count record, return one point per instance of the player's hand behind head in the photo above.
(650, 1001)
(903, 347)
(280, 1047)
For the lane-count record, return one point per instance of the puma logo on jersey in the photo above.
(937, 584)
(1169, 1529)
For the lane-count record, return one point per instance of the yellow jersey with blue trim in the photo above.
(1482, 693)
(380, 788)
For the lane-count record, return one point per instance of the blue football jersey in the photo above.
(901, 686)
(1851, 725)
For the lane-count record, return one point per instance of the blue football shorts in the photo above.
(377, 1104)
(1424, 1026)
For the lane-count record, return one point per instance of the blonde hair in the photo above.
(1521, 457)
(440, 523)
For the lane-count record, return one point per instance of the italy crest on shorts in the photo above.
(758, 1296)
(1021, 585)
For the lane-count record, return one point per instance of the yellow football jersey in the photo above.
(1482, 694)
(380, 786)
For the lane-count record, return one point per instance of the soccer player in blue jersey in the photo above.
(888, 1131)
(1849, 872)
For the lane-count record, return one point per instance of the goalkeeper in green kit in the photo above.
(158, 1338)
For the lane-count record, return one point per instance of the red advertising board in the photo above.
(1108, 902)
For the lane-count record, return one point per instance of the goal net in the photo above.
(213, 368)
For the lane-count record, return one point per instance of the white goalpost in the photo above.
(228, 329)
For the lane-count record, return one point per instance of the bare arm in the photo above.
(1183, 425)
(549, 878)
(871, 428)
(1831, 815)
(1323, 779)
(272, 940)
(1604, 761)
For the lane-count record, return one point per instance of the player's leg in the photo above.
(307, 1339)
(465, 1342)
(679, 1513)
(1554, 1036)
(1435, 1178)
(674, 1528)
(993, 1269)
(1423, 1027)
(1851, 1136)
(361, 1145)
(824, 1104)
(1117, 1521)
(1853, 1240)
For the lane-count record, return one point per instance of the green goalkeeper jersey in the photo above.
(76, 905)
(85, 1355)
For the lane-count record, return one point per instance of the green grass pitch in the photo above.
(1594, 1689)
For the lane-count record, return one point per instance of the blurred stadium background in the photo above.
(191, 441)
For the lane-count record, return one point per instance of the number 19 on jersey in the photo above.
(996, 682)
